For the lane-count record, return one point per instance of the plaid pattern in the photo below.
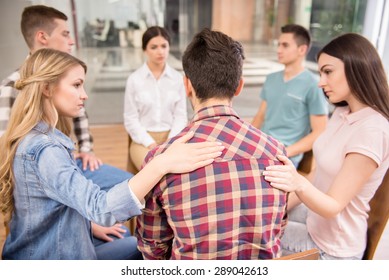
(7, 98)
(225, 210)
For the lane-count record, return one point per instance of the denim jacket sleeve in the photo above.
(61, 180)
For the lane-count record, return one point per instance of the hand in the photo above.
(284, 177)
(102, 233)
(89, 159)
(182, 158)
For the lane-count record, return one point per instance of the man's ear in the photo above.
(303, 49)
(188, 86)
(41, 37)
(240, 87)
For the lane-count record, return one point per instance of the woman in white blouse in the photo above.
(155, 100)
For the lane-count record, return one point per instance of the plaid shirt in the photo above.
(7, 98)
(225, 210)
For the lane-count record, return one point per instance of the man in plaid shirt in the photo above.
(225, 210)
(46, 27)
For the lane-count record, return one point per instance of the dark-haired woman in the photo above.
(155, 101)
(352, 154)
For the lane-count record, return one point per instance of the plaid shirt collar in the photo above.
(213, 112)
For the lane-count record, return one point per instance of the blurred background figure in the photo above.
(155, 101)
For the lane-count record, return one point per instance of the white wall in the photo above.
(375, 28)
(13, 49)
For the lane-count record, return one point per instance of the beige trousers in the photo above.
(138, 152)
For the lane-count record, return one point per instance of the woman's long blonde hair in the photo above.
(41, 71)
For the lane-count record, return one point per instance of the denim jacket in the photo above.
(54, 202)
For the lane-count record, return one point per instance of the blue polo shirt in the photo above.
(290, 104)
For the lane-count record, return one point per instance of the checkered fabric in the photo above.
(225, 210)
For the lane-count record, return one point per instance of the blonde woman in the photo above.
(48, 201)
(155, 100)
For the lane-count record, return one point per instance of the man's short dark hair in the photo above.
(213, 63)
(39, 17)
(300, 34)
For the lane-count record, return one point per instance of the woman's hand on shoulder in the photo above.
(285, 177)
(182, 157)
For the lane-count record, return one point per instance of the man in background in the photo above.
(293, 108)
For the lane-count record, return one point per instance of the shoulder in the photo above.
(310, 78)
(267, 141)
(36, 141)
(173, 72)
(274, 79)
(138, 73)
(275, 75)
(377, 122)
(33, 143)
(172, 76)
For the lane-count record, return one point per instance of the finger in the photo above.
(84, 164)
(205, 144)
(203, 150)
(276, 179)
(119, 228)
(202, 163)
(206, 156)
(185, 138)
(281, 187)
(106, 238)
(285, 160)
(117, 234)
(94, 165)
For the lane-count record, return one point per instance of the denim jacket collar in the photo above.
(44, 128)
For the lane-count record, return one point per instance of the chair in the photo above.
(306, 164)
(312, 254)
(378, 217)
(130, 165)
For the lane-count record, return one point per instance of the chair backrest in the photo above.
(378, 217)
(312, 254)
(306, 164)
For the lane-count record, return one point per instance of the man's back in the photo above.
(223, 211)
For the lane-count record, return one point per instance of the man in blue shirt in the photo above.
(293, 108)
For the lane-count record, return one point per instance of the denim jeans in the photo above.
(120, 248)
(106, 176)
(297, 239)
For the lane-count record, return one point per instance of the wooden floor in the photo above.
(110, 144)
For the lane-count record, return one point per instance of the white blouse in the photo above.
(154, 105)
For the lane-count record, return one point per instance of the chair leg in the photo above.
(130, 165)
(131, 224)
